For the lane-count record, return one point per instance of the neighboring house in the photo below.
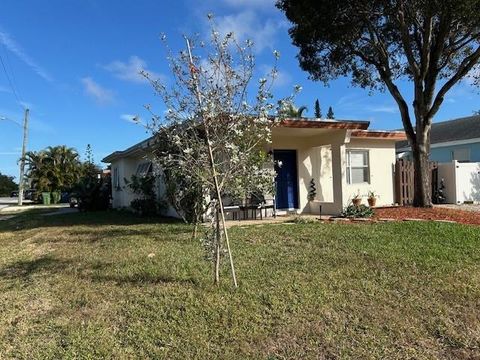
(343, 158)
(457, 139)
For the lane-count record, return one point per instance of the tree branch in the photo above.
(467, 64)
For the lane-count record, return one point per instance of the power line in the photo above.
(15, 82)
(10, 80)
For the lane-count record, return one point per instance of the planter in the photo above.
(356, 201)
(372, 201)
(46, 198)
(56, 196)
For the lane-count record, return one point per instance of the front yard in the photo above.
(107, 285)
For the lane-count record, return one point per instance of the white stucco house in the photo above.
(342, 157)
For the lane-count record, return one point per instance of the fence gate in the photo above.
(404, 180)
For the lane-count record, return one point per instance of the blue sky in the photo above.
(75, 64)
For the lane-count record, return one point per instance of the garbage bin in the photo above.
(56, 195)
(46, 198)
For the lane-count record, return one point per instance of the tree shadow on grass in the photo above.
(24, 269)
(140, 279)
(32, 219)
(125, 231)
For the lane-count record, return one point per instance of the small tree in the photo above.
(330, 114)
(215, 134)
(318, 111)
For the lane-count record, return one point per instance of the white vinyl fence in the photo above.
(462, 181)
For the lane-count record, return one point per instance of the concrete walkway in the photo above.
(465, 207)
(19, 209)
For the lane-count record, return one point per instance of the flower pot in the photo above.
(46, 198)
(372, 201)
(357, 201)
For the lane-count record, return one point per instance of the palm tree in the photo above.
(56, 168)
(291, 111)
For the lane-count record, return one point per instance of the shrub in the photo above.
(147, 204)
(93, 194)
(361, 211)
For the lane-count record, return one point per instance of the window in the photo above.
(358, 167)
(461, 154)
(143, 169)
(116, 179)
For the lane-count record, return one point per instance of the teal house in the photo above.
(457, 139)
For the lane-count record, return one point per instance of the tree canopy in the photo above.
(7, 185)
(432, 43)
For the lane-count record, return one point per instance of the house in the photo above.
(343, 158)
(457, 139)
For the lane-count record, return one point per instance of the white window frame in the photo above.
(116, 179)
(143, 169)
(349, 168)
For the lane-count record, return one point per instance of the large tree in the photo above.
(7, 185)
(434, 44)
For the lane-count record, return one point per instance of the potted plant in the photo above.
(372, 198)
(357, 200)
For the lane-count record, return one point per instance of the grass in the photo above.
(84, 286)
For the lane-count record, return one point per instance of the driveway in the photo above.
(11, 201)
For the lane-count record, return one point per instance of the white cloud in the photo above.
(283, 78)
(130, 70)
(248, 25)
(16, 49)
(96, 91)
(390, 109)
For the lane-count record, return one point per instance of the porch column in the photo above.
(339, 176)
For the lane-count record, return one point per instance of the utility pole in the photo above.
(22, 160)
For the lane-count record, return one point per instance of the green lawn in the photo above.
(83, 286)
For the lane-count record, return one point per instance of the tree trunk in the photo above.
(422, 192)
(218, 238)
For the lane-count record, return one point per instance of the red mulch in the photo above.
(435, 213)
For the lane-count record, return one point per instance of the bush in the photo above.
(361, 211)
(147, 203)
(93, 194)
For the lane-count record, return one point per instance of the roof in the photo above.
(358, 127)
(136, 149)
(379, 134)
(327, 124)
(453, 130)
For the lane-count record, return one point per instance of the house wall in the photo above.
(444, 153)
(382, 162)
(314, 161)
(123, 196)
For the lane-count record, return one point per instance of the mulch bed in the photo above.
(435, 213)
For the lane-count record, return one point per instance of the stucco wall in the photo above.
(382, 161)
(122, 196)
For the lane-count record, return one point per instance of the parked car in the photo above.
(14, 193)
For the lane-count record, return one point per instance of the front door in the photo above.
(286, 181)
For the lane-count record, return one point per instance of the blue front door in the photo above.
(286, 181)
